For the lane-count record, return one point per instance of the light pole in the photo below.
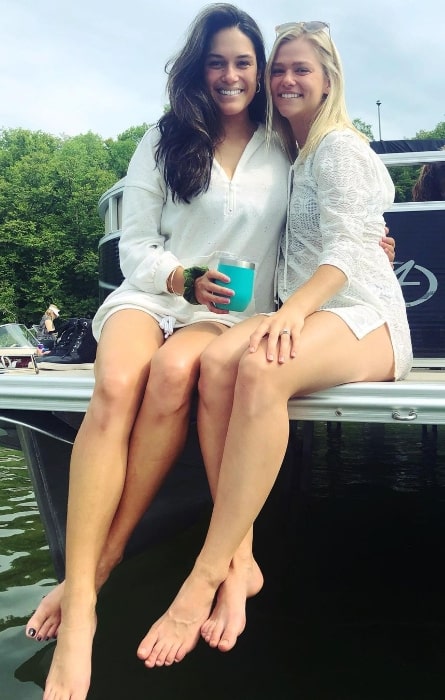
(378, 103)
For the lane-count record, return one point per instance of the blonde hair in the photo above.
(332, 113)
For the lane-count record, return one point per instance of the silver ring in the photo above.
(285, 331)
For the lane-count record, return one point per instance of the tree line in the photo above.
(49, 222)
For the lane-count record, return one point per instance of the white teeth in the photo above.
(230, 93)
(290, 95)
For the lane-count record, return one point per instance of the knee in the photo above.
(115, 402)
(217, 374)
(116, 389)
(255, 385)
(172, 382)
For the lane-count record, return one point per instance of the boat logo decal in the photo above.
(420, 277)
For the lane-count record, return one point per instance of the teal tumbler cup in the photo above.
(242, 276)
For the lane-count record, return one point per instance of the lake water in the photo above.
(353, 606)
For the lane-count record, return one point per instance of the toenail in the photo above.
(31, 632)
(39, 639)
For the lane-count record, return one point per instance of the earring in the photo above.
(258, 87)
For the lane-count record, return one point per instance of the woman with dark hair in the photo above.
(202, 180)
(193, 126)
(430, 186)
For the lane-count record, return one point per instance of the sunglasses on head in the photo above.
(310, 27)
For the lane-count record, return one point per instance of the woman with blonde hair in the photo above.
(342, 319)
(47, 332)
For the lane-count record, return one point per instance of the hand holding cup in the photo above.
(241, 274)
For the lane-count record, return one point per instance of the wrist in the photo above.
(175, 281)
(191, 274)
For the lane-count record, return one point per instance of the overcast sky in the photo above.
(98, 65)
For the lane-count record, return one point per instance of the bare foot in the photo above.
(70, 672)
(177, 631)
(228, 618)
(45, 621)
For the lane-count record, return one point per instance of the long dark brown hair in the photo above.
(192, 127)
(430, 185)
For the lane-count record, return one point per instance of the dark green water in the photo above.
(353, 606)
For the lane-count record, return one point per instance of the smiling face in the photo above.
(298, 84)
(231, 71)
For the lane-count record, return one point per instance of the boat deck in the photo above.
(46, 409)
(420, 398)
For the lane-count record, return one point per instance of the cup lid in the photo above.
(236, 263)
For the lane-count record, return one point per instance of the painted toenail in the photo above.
(31, 632)
(39, 639)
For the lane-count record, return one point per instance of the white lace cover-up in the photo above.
(335, 217)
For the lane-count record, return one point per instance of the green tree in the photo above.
(437, 133)
(405, 177)
(49, 225)
(121, 150)
(364, 128)
(49, 222)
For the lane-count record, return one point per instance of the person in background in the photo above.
(342, 319)
(203, 180)
(46, 332)
(430, 185)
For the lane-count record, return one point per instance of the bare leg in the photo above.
(97, 477)
(227, 619)
(219, 367)
(106, 406)
(328, 354)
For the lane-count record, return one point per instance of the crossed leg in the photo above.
(219, 367)
(328, 355)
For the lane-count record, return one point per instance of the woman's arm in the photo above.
(353, 190)
(344, 187)
(326, 281)
(144, 261)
